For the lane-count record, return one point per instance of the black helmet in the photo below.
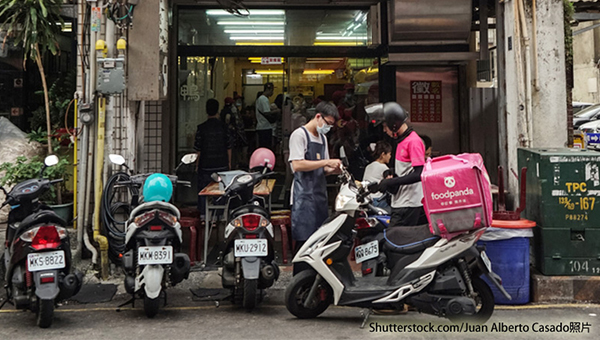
(394, 115)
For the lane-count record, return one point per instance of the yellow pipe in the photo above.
(75, 170)
(102, 241)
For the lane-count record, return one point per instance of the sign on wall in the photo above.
(270, 61)
(426, 101)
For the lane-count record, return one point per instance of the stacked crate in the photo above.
(563, 197)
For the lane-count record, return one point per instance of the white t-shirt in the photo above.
(298, 147)
(262, 105)
(374, 174)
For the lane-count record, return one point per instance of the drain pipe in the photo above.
(536, 83)
(100, 239)
(528, 90)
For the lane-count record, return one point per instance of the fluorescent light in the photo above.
(272, 72)
(255, 23)
(341, 43)
(252, 31)
(318, 72)
(280, 37)
(245, 43)
(218, 12)
(342, 38)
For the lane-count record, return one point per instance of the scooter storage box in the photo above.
(457, 195)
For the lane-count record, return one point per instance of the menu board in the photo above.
(426, 101)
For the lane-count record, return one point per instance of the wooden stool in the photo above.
(283, 222)
(191, 223)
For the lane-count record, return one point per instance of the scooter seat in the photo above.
(249, 209)
(42, 216)
(408, 240)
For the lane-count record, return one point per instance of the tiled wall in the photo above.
(152, 136)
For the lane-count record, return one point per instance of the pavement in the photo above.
(185, 317)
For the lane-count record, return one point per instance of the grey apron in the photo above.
(309, 209)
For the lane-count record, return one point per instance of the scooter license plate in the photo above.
(155, 255)
(46, 261)
(486, 261)
(257, 247)
(366, 251)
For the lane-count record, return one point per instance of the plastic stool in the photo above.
(284, 222)
(191, 223)
(189, 212)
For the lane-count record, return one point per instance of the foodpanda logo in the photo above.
(452, 194)
(449, 182)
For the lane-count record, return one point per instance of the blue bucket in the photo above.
(510, 260)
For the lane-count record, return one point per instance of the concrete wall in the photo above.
(548, 102)
(586, 73)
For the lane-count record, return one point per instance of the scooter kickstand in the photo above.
(130, 301)
(365, 316)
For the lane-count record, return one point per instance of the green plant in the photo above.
(23, 169)
(35, 25)
(60, 95)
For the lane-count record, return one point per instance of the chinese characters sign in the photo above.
(426, 101)
(270, 61)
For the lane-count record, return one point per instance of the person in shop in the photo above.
(235, 125)
(310, 163)
(406, 190)
(428, 146)
(213, 145)
(266, 117)
(376, 171)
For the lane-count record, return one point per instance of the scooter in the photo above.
(436, 275)
(153, 259)
(248, 255)
(36, 262)
(370, 229)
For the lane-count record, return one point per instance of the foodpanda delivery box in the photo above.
(457, 195)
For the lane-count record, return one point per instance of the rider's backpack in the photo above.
(457, 195)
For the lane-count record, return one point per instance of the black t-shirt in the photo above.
(212, 140)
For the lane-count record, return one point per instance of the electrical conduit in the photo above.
(100, 239)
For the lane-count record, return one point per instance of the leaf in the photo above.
(44, 10)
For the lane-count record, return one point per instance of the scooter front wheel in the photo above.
(45, 313)
(297, 293)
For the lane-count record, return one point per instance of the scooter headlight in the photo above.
(341, 201)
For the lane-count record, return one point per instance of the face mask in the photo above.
(323, 129)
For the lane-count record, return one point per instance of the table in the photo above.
(212, 192)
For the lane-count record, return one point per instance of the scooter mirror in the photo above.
(215, 177)
(189, 158)
(343, 156)
(116, 159)
(51, 160)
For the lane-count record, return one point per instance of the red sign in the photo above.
(270, 61)
(426, 101)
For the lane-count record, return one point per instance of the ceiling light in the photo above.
(359, 37)
(245, 43)
(252, 31)
(217, 12)
(341, 43)
(256, 37)
(271, 72)
(318, 72)
(248, 23)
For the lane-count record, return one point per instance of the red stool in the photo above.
(283, 222)
(191, 223)
(189, 212)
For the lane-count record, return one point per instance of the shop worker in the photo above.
(406, 190)
(265, 118)
(309, 160)
(213, 145)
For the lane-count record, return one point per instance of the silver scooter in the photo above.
(435, 275)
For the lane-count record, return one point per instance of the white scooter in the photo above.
(435, 275)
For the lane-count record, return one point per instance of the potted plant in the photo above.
(23, 169)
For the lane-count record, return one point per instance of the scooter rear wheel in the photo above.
(45, 313)
(297, 293)
(250, 298)
(484, 299)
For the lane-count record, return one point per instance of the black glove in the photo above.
(373, 187)
(384, 184)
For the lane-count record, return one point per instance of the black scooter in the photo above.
(248, 255)
(36, 261)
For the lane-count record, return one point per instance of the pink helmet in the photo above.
(261, 157)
